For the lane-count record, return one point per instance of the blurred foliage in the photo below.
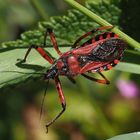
(130, 18)
(94, 111)
(12, 21)
(68, 27)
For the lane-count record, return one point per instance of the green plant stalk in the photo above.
(132, 52)
(103, 22)
(39, 9)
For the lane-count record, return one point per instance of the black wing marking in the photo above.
(109, 49)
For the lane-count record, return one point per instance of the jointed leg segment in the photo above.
(42, 51)
(53, 40)
(105, 81)
(62, 100)
(89, 33)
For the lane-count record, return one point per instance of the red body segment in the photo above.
(84, 50)
(73, 65)
(60, 64)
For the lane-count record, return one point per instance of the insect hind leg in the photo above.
(53, 40)
(89, 33)
(41, 51)
(104, 81)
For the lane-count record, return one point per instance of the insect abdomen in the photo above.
(109, 50)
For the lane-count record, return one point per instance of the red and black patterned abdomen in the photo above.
(104, 56)
(109, 49)
(99, 53)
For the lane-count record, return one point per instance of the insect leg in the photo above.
(105, 81)
(53, 40)
(71, 79)
(41, 50)
(42, 53)
(62, 100)
(89, 33)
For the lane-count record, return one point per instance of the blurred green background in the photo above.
(94, 111)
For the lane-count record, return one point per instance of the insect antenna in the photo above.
(47, 83)
(43, 99)
(40, 73)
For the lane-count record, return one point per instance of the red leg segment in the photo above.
(52, 37)
(89, 33)
(62, 100)
(105, 81)
(71, 79)
(42, 53)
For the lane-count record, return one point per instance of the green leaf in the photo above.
(66, 28)
(10, 68)
(130, 62)
(130, 136)
(128, 67)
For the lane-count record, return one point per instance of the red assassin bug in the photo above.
(98, 54)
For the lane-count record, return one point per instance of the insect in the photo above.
(99, 53)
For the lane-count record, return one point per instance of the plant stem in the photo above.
(39, 9)
(103, 22)
(132, 52)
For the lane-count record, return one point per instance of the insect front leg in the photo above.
(105, 81)
(72, 79)
(42, 53)
(89, 33)
(53, 40)
(62, 100)
(41, 50)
